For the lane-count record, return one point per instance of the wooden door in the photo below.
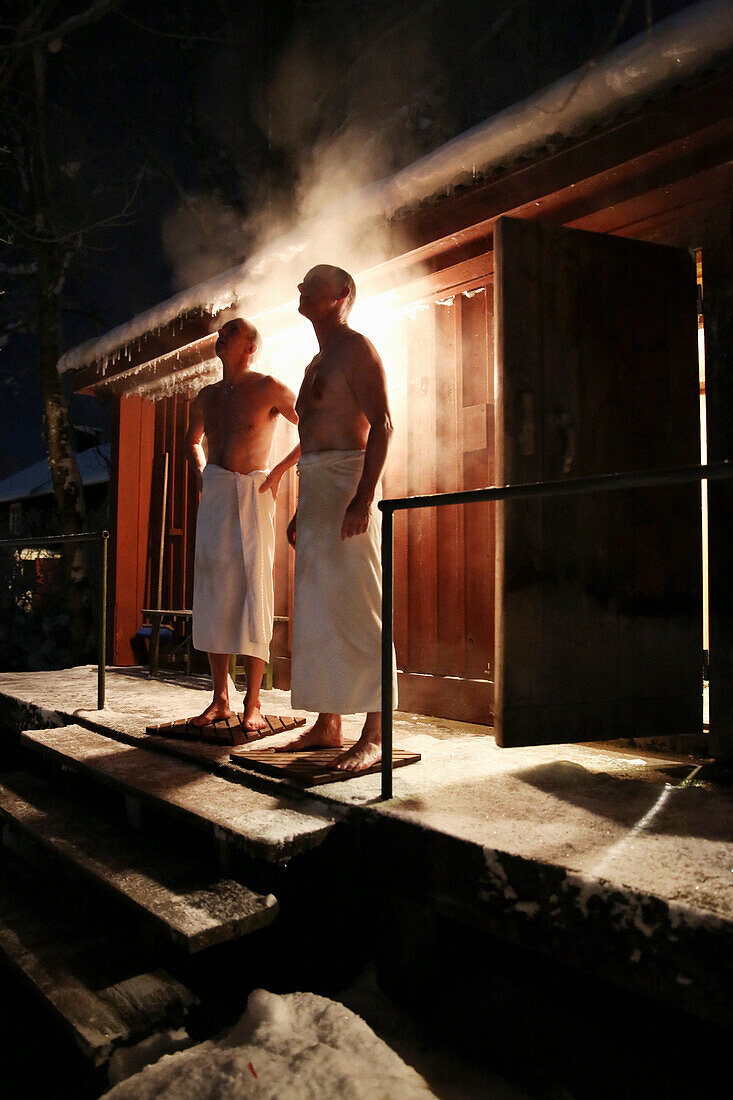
(439, 365)
(598, 598)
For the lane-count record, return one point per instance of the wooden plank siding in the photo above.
(146, 431)
(286, 436)
(444, 566)
(130, 514)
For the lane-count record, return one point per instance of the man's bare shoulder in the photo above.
(269, 380)
(206, 393)
(267, 383)
(360, 349)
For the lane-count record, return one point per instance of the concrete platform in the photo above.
(618, 861)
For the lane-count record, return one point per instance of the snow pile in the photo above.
(286, 1047)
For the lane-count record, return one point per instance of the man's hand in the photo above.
(356, 518)
(272, 482)
(290, 533)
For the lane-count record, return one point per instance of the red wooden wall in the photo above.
(146, 430)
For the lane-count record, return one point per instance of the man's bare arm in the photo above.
(285, 402)
(195, 454)
(368, 381)
(285, 405)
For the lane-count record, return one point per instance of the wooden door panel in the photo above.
(421, 460)
(478, 447)
(451, 656)
(441, 392)
(598, 597)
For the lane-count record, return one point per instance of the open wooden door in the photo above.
(599, 625)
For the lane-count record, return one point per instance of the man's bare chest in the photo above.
(324, 385)
(236, 413)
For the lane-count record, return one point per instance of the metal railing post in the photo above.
(539, 490)
(102, 628)
(387, 592)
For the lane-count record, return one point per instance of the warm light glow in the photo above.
(380, 318)
(704, 492)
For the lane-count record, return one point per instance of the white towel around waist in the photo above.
(337, 617)
(235, 541)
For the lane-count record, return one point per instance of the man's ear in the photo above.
(343, 293)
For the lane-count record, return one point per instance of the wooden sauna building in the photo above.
(539, 309)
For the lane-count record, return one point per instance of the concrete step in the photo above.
(192, 906)
(78, 974)
(267, 827)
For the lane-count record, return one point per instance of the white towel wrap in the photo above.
(233, 598)
(337, 617)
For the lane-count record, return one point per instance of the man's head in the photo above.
(326, 292)
(238, 341)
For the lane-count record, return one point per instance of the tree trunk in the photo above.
(50, 259)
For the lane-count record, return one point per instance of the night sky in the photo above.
(189, 117)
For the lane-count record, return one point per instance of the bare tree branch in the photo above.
(93, 13)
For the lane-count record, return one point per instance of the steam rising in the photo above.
(333, 213)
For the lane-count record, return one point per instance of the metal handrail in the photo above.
(675, 475)
(102, 538)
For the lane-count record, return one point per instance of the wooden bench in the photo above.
(235, 667)
(157, 624)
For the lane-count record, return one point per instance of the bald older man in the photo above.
(345, 429)
(233, 589)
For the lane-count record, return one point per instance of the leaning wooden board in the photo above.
(311, 768)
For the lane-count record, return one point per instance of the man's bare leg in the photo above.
(254, 668)
(367, 750)
(325, 733)
(219, 706)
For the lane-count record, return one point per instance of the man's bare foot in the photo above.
(216, 710)
(364, 754)
(252, 718)
(325, 733)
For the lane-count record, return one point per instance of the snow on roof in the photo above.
(35, 480)
(673, 50)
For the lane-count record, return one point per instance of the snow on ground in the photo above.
(287, 1047)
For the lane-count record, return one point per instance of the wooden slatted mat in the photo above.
(225, 731)
(310, 767)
